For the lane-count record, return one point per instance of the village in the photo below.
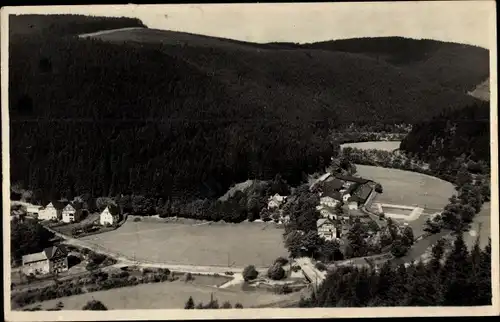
(343, 200)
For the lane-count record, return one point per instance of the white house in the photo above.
(68, 213)
(326, 229)
(275, 201)
(328, 201)
(49, 212)
(33, 210)
(109, 216)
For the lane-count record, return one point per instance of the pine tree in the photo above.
(189, 304)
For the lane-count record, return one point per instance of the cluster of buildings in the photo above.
(69, 212)
(340, 198)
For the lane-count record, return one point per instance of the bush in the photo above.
(378, 188)
(95, 306)
(398, 249)
(276, 272)
(238, 306)
(250, 273)
(136, 219)
(320, 266)
(188, 277)
(281, 261)
(226, 305)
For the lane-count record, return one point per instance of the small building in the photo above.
(328, 202)
(68, 213)
(352, 204)
(49, 212)
(326, 229)
(275, 201)
(51, 260)
(33, 210)
(109, 216)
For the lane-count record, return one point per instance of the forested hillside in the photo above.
(451, 134)
(63, 25)
(169, 114)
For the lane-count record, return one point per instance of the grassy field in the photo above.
(196, 244)
(379, 145)
(166, 295)
(408, 188)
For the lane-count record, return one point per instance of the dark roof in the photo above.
(364, 192)
(332, 186)
(114, 210)
(352, 179)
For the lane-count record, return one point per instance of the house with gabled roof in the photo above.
(59, 210)
(51, 260)
(109, 216)
(326, 229)
(49, 212)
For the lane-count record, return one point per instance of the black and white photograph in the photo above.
(250, 160)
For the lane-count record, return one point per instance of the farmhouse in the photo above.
(326, 229)
(109, 216)
(275, 201)
(51, 260)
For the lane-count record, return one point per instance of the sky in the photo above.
(456, 21)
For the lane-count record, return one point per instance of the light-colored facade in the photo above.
(33, 210)
(352, 205)
(107, 217)
(328, 201)
(50, 260)
(68, 214)
(327, 229)
(48, 213)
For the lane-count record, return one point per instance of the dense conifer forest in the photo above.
(459, 278)
(451, 134)
(160, 117)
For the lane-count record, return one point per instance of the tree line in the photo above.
(461, 278)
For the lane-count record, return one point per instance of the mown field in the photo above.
(408, 188)
(166, 295)
(378, 145)
(196, 244)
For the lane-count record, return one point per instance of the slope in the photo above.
(184, 116)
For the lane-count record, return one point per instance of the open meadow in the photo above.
(164, 295)
(378, 145)
(408, 188)
(207, 244)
